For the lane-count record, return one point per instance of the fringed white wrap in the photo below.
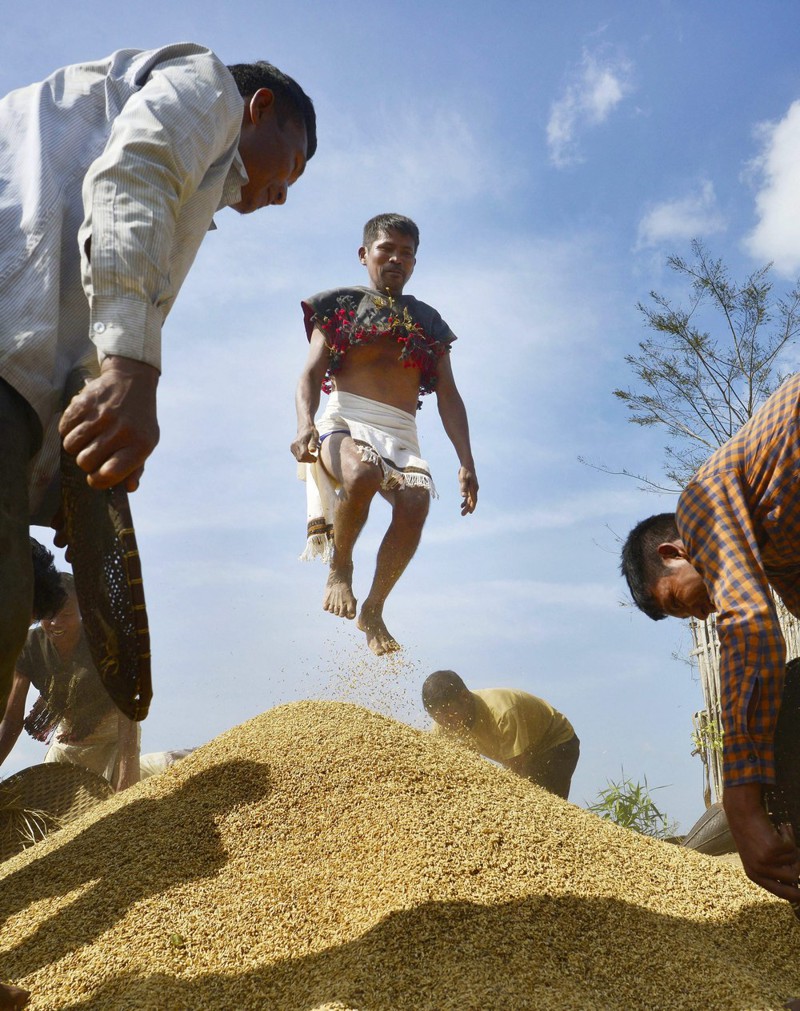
(385, 436)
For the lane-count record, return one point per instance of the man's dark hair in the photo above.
(440, 687)
(385, 222)
(642, 565)
(292, 102)
(49, 595)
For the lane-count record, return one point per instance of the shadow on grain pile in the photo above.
(324, 857)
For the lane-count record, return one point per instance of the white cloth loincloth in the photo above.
(385, 436)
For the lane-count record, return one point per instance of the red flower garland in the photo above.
(418, 350)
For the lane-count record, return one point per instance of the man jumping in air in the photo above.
(375, 351)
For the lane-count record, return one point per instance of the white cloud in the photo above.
(599, 85)
(683, 218)
(776, 237)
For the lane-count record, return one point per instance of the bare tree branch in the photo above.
(703, 388)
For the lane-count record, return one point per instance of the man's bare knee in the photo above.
(361, 479)
(411, 506)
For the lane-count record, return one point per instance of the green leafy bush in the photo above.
(630, 805)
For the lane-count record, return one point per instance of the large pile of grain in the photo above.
(322, 856)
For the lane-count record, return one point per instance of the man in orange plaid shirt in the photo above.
(734, 535)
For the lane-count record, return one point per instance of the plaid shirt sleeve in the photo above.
(716, 525)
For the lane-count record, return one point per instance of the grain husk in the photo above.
(322, 857)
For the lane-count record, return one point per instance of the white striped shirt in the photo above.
(110, 174)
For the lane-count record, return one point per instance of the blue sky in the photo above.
(553, 155)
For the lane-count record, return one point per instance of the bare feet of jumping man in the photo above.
(339, 598)
(379, 638)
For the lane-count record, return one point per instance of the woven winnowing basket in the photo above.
(108, 582)
(42, 798)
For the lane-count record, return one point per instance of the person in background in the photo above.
(73, 709)
(519, 731)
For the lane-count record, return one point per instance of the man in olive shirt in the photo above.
(520, 731)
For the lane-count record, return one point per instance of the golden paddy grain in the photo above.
(322, 857)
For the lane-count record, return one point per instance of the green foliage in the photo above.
(630, 805)
(708, 736)
(701, 387)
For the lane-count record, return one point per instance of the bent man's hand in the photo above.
(111, 427)
(770, 858)
(468, 483)
(306, 446)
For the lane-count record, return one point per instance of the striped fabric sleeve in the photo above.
(717, 528)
